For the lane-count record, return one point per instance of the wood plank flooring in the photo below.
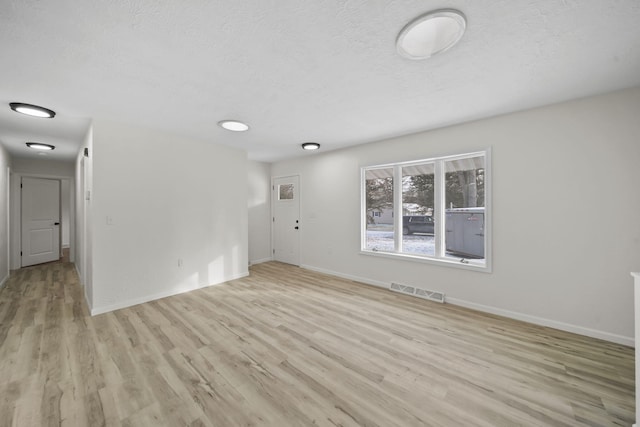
(290, 347)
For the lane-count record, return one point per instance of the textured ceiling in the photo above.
(296, 70)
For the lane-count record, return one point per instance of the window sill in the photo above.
(472, 265)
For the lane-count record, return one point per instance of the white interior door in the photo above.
(40, 220)
(286, 219)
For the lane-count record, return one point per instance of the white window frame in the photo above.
(439, 214)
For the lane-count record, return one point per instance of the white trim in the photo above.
(78, 273)
(3, 281)
(160, 295)
(636, 315)
(488, 212)
(84, 288)
(438, 214)
(14, 220)
(364, 280)
(260, 261)
(86, 299)
(398, 217)
(567, 327)
(593, 333)
(442, 262)
(8, 212)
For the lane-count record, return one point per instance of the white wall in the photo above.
(565, 203)
(259, 212)
(31, 166)
(159, 198)
(84, 224)
(5, 163)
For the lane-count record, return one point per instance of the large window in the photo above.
(445, 215)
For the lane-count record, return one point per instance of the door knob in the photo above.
(56, 223)
(296, 227)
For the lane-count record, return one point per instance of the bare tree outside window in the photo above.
(418, 231)
(379, 209)
(464, 183)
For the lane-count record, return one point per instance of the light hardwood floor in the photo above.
(290, 347)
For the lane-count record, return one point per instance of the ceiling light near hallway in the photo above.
(233, 125)
(32, 110)
(431, 33)
(40, 146)
(310, 146)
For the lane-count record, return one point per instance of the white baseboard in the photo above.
(593, 333)
(86, 299)
(84, 289)
(160, 295)
(260, 261)
(3, 281)
(348, 276)
(75, 265)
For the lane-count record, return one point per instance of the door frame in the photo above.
(273, 207)
(15, 215)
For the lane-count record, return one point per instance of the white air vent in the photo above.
(403, 288)
(418, 292)
(430, 295)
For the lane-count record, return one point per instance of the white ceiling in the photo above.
(297, 70)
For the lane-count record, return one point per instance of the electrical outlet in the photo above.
(179, 262)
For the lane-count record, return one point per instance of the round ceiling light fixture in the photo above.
(310, 146)
(233, 125)
(431, 33)
(40, 146)
(32, 110)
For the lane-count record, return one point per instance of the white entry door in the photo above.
(286, 219)
(40, 220)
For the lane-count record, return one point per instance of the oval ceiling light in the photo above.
(233, 125)
(431, 33)
(310, 146)
(32, 110)
(40, 146)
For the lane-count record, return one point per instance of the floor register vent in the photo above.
(418, 292)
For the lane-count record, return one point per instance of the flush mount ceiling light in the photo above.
(233, 125)
(32, 110)
(310, 146)
(431, 33)
(40, 146)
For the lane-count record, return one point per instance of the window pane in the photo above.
(417, 209)
(285, 192)
(379, 209)
(464, 213)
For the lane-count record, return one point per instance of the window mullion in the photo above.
(439, 215)
(397, 208)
